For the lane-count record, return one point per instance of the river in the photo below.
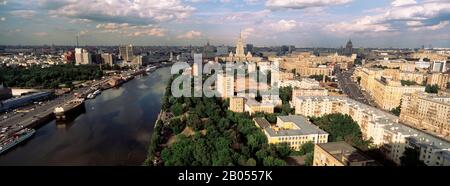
(115, 130)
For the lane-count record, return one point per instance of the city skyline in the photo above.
(303, 23)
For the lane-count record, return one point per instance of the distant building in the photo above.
(294, 130)
(440, 79)
(348, 50)
(340, 154)
(208, 51)
(249, 48)
(439, 66)
(82, 57)
(222, 51)
(126, 53)
(107, 59)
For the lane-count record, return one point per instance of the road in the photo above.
(349, 87)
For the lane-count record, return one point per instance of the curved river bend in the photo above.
(115, 130)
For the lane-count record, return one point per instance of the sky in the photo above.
(303, 23)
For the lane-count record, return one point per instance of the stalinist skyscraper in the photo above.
(240, 53)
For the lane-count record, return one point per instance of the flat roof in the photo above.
(262, 122)
(340, 150)
(304, 127)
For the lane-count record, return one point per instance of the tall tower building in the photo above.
(240, 53)
(348, 48)
(82, 57)
(107, 59)
(126, 53)
(225, 85)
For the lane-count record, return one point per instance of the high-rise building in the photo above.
(82, 57)
(107, 58)
(384, 129)
(440, 79)
(225, 85)
(439, 66)
(240, 53)
(126, 53)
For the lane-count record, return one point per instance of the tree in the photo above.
(411, 158)
(177, 125)
(283, 150)
(194, 122)
(358, 79)
(341, 128)
(433, 89)
(286, 94)
(272, 161)
(317, 77)
(177, 109)
(306, 148)
(309, 159)
(396, 111)
(407, 82)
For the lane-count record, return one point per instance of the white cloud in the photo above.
(283, 25)
(199, 1)
(23, 13)
(247, 32)
(403, 2)
(402, 15)
(301, 4)
(119, 11)
(3, 2)
(190, 35)
(132, 30)
(158, 32)
(247, 16)
(2, 18)
(439, 26)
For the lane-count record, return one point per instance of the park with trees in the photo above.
(49, 77)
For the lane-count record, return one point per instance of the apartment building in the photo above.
(440, 79)
(385, 129)
(428, 112)
(388, 94)
(293, 130)
(340, 154)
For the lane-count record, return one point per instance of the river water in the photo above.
(115, 130)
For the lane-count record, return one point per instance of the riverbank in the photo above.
(115, 130)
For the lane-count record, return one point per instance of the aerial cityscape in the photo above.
(225, 83)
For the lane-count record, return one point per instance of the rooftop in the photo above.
(344, 152)
(303, 127)
(391, 123)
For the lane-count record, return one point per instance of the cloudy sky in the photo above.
(304, 23)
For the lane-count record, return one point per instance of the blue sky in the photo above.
(304, 23)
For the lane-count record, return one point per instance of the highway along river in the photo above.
(115, 130)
